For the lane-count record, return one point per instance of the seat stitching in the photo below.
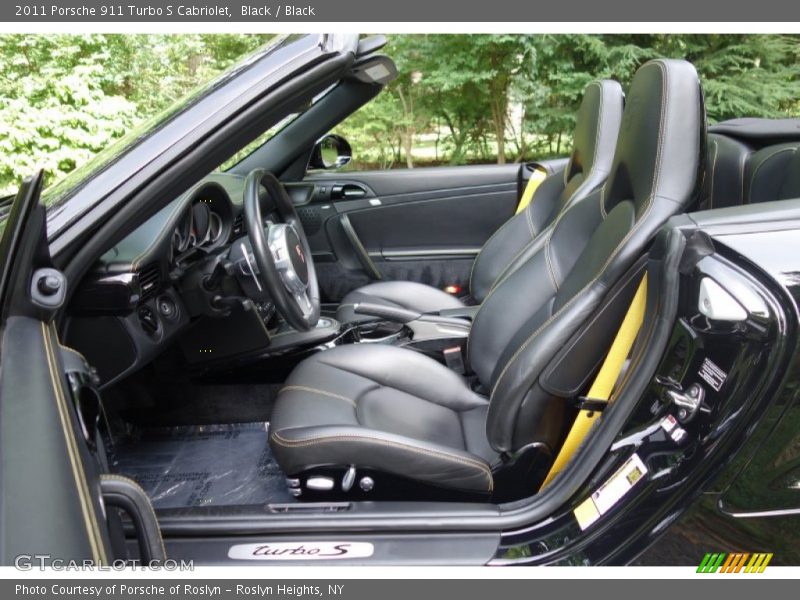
(312, 390)
(599, 125)
(742, 164)
(550, 268)
(597, 132)
(548, 259)
(313, 441)
(504, 274)
(713, 171)
(148, 503)
(619, 246)
(491, 237)
(529, 218)
(528, 211)
(764, 161)
(381, 384)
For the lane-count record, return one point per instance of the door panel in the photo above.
(50, 500)
(49, 494)
(424, 225)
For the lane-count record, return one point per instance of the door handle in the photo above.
(348, 191)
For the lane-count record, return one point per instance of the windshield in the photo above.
(66, 187)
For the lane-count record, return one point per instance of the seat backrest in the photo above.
(655, 173)
(594, 139)
(773, 173)
(725, 173)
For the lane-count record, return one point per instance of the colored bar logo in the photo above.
(736, 562)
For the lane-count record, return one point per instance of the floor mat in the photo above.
(203, 465)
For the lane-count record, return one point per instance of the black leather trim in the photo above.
(512, 244)
(416, 418)
(50, 502)
(347, 405)
(407, 295)
(127, 495)
(773, 173)
(656, 173)
(595, 137)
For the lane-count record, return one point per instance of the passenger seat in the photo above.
(594, 140)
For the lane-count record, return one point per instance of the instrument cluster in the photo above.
(206, 223)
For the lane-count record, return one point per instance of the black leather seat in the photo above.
(725, 180)
(394, 411)
(594, 139)
(773, 173)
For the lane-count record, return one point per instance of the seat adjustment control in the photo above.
(349, 479)
(319, 484)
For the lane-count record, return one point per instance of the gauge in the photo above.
(214, 228)
(181, 235)
(201, 221)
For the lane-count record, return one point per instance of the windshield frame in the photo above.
(61, 190)
(87, 198)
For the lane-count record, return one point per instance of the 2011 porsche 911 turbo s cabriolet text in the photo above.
(285, 362)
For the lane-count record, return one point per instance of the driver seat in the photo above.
(402, 417)
(594, 139)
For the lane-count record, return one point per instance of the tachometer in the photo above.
(201, 222)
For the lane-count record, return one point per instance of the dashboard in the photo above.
(142, 293)
(206, 224)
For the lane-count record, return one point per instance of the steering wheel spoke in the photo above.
(281, 252)
(304, 302)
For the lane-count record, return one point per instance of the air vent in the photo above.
(238, 225)
(149, 280)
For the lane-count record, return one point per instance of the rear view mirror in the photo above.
(331, 152)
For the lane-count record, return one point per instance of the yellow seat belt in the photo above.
(603, 384)
(537, 177)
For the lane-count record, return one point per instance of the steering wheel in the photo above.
(281, 252)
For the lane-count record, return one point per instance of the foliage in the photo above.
(458, 98)
(63, 98)
(514, 97)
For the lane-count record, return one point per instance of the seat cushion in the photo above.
(384, 408)
(398, 294)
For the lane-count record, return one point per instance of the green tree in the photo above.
(63, 98)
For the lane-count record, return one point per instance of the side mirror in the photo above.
(331, 152)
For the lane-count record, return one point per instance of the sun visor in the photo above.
(377, 68)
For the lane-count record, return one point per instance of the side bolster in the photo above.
(508, 245)
(534, 343)
(299, 449)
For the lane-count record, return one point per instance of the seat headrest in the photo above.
(596, 129)
(773, 173)
(664, 114)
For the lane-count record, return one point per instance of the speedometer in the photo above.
(201, 222)
(181, 235)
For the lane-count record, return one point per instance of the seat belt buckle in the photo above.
(590, 405)
(454, 359)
